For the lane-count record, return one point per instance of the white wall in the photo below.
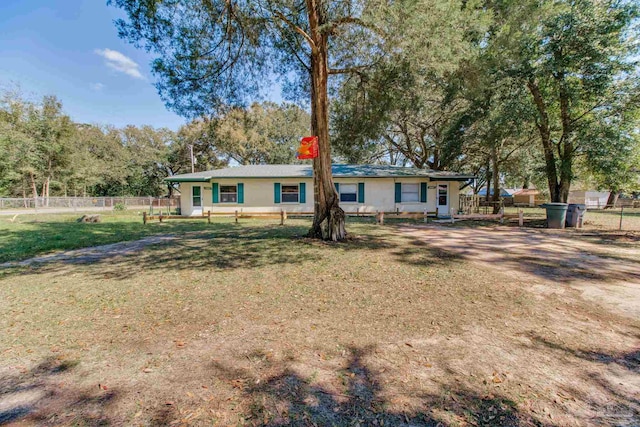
(259, 197)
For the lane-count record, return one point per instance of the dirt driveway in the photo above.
(607, 273)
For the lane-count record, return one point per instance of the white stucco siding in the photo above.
(259, 195)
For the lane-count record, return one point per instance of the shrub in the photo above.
(119, 207)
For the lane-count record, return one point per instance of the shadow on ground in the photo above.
(287, 398)
(42, 396)
(559, 257)
(231, 246)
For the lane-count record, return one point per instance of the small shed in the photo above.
(591, 198)
(526, 197)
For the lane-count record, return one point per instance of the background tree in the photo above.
(99, 162)
(401, 110)
(612, 158)
(36, 142)
(574, 58)
(261, 134)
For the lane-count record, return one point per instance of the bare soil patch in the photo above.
(603, 267)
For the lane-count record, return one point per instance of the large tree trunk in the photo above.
(34, 188)
(613, 199)
(487, 196)
(329, 218)
(496, 180)
(566, 159)
(545, 136)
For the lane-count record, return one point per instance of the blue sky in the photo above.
(71, 49)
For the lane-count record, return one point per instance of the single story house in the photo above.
(504, 192)
(361, 188)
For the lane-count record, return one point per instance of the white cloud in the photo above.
(120, 62)
(97, 86)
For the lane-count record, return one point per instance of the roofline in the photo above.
(171, 179)
(431, 178)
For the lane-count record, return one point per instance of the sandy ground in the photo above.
(549, 259)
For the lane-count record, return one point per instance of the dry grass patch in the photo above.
(253, 324)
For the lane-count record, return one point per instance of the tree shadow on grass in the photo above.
(39, 396)
(629, 360)
(231, 246)
(37, 238)
(286, 398)
(621, 408)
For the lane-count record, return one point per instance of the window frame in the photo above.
(403, 192)
(282, 193)
(228, 193)
(354, 193)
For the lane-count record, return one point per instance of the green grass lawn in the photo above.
(32, 235)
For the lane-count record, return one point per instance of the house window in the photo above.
(348, 192)
(228, 194)
(410, 193)
(290, 193)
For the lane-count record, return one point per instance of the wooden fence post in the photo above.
(144, 218)
(425, 216)
(281, 216)
(209, 217)
(380, 217)
(160, 216)
(236, 217)
(520, 217)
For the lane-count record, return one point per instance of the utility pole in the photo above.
(193, 160)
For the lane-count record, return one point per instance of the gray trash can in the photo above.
(556, 214)
(575, 214)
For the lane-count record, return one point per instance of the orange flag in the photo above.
(308, 148)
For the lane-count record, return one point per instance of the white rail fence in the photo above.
(90, 203)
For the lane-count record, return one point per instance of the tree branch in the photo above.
(348, 70)
(296, 28)
(350, 20)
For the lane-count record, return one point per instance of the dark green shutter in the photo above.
(240, 192)
(423, 192)
(303, 192)
(337, 187)
(276, 192)
(398, 192)
(361, 192)
(214, 192)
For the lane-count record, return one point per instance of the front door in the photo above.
(196, 200)
(443, 199)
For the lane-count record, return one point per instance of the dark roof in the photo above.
(306, 171)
